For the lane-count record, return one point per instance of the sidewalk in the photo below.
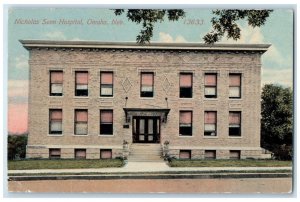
(149, 167)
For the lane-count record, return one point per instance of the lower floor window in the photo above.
(105, 153)
(54, 153)
(80, 153)
(235, 154)
(210, 154)
(185, 154)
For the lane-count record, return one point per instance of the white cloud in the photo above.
(278, 76)
(248, 35)
(165, 37)
(21, 62)
(56, 35)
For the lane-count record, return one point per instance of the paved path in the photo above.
(148, 167)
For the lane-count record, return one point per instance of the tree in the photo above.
(17, 146)
(223, 23)
(277, 119)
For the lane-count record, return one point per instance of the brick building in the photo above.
(86, 98)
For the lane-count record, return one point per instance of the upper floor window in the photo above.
(147, 84)
(106, 84)
(81, 121)
(234, 123)
(106, 122)
(234, 85)
(185, 123)
(81, 83)
(55, 121)
(186, 85)
(210, 85)
(210, 123)
(56, 83)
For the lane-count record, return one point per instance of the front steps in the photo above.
(145, 153)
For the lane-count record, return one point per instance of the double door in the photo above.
(146, 129)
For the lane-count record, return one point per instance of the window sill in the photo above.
(210, 99)
(147, 98)
(106, 135)
(235, 137)
(106, 97)
(81, 97)
(235, 99)
(55, 96)
(186, 98)
(185, 135)
(210, 137)
(55, 135)
(80, 135)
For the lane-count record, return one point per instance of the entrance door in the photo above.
(146, 129)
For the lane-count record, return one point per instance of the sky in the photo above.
(277, 62)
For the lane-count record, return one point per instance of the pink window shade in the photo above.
(186, 117)
(106, 154)
(82, 78)
(107, 78)
(56, 77)
(82, 116)
(54, 151)
(106, 117)
(80, 153)
(147, 79)
(211, 79)
(234, 80)
(234, 118)
(210, 117)
(56, 115)
(185, 80)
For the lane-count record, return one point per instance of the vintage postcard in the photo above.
(190, 100)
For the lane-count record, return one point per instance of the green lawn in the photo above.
(229, 163)
(63, 164)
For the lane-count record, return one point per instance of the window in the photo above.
(235, 154)
(185, 154)
(186, 85)
(185, 123)
(147, 87)
(56, 83)
(54, 153)
(80, 153)
(55, 121)
(106, 84)
(81, 122)
(81, 84)
(234, 85)
(234, 123)
(210, 82)
(106, 122)
(210, 154)
(105, 154)
(210, 123)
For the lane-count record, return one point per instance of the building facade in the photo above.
(89, 99)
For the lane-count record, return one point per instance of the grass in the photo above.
(63, 164)
(229, 163)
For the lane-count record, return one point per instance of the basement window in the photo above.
(185, 154)
(54, 153)
(105, 153)
(80, 153)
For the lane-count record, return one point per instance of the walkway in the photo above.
(148, 167)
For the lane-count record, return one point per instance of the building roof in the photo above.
(29, 44)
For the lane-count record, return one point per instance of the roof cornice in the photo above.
(31, 44)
